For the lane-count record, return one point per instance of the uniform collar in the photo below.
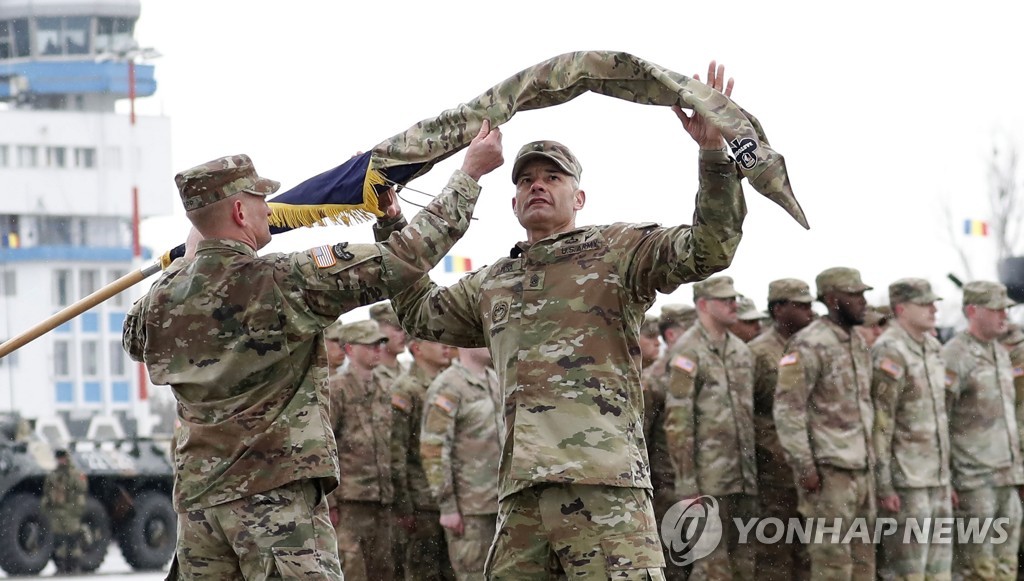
(523, 247)
(224, 244)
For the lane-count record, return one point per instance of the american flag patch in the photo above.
(684, 363)
(323, 257)
(1018, 371)
(400, 402)
(891, 367)
(788, 359)
(444, 403)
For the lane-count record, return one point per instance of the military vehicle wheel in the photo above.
(96, 533)
(148, 538)
(26, 541)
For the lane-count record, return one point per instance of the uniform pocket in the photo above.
(296, 563)
(632, 551)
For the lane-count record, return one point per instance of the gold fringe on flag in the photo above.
(295, 216)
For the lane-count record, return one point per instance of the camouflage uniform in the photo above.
(824, 417)
(776, 491)
(985, 435)
(561, 319)
(238, 337)
(911, 440)
(372, 477)
(426, 552)
(1014, 343)
(461, 444)
(63, 503)
(709, 423)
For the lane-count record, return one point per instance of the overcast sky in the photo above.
(886, 113)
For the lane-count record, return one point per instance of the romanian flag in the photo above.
(975, 228)
(10, 240)
(457, 264)
(349, 192)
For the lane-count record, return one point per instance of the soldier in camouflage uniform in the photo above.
(650, 342)
(911, 433)
(1013, 341)
(876, 321)
(239, 338)
(985, 432)
(789, 306)
(824, 418)
(675, 319)
(63, 503)
(461, 445)
(561, 316)
(335, 349)
(748, 320)
(390, 367)
(425, 553)
(372, 473)
(709, 422)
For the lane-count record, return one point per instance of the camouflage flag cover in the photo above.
(349, 191)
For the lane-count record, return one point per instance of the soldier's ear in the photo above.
(580, 200)
(238, 211)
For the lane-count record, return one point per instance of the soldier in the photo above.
(390, 368)
(461, 446)
(748, 320)
(675, 319)
(425, 553)
(985, 433)
(789, 306)
(911, 433)
(876, 321)
(650, 344)
(63, 503)
(1013, 341)
(824, 418)
(335, 349)
(709, 423)
(371, 471)
(561, 316)
(245, 356)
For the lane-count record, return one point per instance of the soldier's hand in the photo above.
(484, 153)
(811, 482)
(705, 134)
(453, 522)
(335, 516)
(388, 203)
(890, 503)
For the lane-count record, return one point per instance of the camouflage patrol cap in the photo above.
(912, 290)
(716, 287)
(552, 150)
(840, 278)
(331, 333)
(650, 327)
(789, 289)
(983, 293)
(677, 314)
(747, 311)
(384, 313)
(219, 179)
(361, 333)
(876, 316)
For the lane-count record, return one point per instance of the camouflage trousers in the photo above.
(782, 561)
(991, 557)
(584, 531)
(284, 533)
(426, 552)
(663, 500)
(468, 552)
(731, 559)
(902, 556)
(846, 495)
(364, 532)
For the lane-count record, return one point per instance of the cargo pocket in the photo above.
(633, 556)
(296, 563)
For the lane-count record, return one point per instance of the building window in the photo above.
(90, 358)
(5, 151)
(113, 33)
(6, 46)
(62, 287)
(88, 282)
(76, 35)
(62, 36)
(85, 157)
(48, 36)
(56, 156)
(61, 358)
(54, 231)
(118, 363)
(22, 44)
(118, 299)
(65, 392)
(9, 282)
(28, 156)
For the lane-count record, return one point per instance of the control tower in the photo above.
(75, 178)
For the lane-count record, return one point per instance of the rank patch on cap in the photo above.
(445, 404)
(401, 403)
(789, 359)
(891, 367)
(684, 363)
(323, 257)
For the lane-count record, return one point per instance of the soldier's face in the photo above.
(793, 316)
(433, 353)
(546, 198)
(650, 347)
(396, 338)
(335, 353)
(364, 356)
(722, 311)
(746, 330)
(920, 318)
(851, 306)
(989, 323)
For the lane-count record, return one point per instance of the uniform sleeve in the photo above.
(888, 380)
(449, 315)
(437, 437)
(336, 414)
(765, 377)
(798, 372)
(953, 375)
(133, 333)
(664, 258)
(401, 433)
(680, 429)
(341, 277)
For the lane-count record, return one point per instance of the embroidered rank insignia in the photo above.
(1018, 371)
(445, 404)
(789, 359)
(685, 364)
(323, 256)
(401, 403)
(891, 367)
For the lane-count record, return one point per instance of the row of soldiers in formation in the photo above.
(824, 417)
(418, 448)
